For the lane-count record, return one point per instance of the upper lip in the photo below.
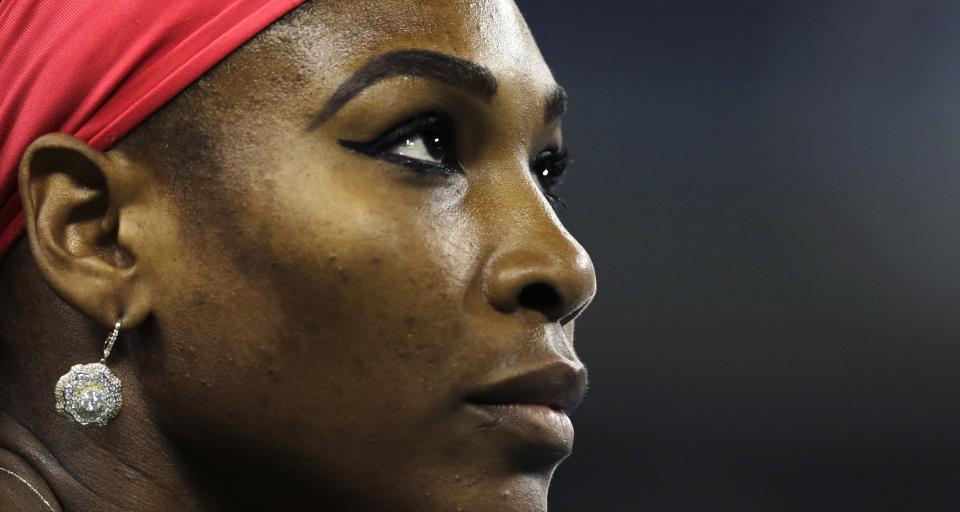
(560, 385)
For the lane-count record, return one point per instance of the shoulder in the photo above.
(22, 489)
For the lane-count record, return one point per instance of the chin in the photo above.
(519, 493)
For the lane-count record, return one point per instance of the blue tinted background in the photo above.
(770, 191)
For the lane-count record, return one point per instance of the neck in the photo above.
(125, 466)
(130, 465)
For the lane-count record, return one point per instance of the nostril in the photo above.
(573, 314)
(541, 297)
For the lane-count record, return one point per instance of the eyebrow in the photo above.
(464, 74)
(556, 105)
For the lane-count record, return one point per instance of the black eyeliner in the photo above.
(419, 165)
(555, 160)
(377, 147)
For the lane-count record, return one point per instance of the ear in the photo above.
(77, 203)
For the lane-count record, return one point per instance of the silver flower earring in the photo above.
(90, 393)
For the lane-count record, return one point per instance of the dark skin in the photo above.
(328, 320)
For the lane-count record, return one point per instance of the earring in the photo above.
(90, 393)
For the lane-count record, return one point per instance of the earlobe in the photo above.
(73, 197)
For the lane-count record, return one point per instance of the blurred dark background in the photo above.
(770, 191)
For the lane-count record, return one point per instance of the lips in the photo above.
(528, 411)
(559, 386)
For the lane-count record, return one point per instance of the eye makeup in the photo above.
(549, 168)
(426, 144)
(432, 133)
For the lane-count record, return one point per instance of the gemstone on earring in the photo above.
(89, 394)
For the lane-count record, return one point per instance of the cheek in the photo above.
(368, 283)
(321, 311)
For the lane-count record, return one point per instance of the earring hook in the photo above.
(108, 345)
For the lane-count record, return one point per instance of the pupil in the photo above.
(434, 144)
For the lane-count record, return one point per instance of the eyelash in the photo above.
(550, 159)
(555, 159)
(378, 147)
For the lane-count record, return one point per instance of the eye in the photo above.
(427, 145)
(549, 167)
(423, 144)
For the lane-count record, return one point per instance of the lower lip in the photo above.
(534, 424)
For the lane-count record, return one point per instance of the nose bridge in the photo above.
(537, 265)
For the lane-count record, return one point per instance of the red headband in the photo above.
(96, 69)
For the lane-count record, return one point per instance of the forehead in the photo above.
(328, 40)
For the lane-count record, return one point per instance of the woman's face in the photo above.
(380, 296)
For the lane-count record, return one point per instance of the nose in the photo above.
(552, 275)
